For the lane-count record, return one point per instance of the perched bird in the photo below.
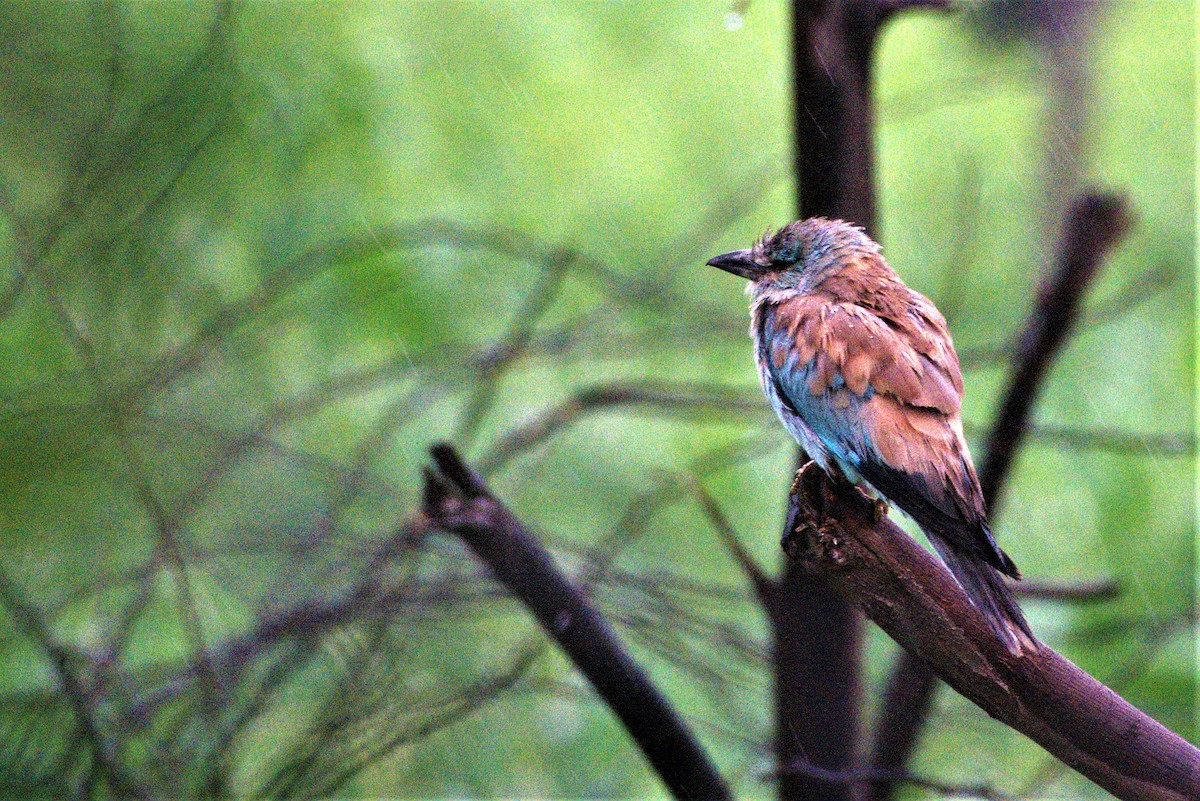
(862, 372)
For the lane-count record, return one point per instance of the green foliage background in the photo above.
(254, 260)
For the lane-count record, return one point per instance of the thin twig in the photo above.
(652, 396)
(514, 344)
(104, 758)
(1108, 440)
(861, 776)
(1139, 289)
(1076, 592)
(764, 586)
(641, 511)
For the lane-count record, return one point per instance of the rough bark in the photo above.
(907, 592)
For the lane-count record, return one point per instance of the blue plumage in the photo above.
(827, 425)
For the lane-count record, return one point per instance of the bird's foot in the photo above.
(799, 477)
(801, 523)
(879, 507)
(811, 536)
(881, 510)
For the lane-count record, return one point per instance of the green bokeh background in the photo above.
(254, 261)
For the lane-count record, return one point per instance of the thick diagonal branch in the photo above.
(457, 500)
(1093, 225)
(907, 592)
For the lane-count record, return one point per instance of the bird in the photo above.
(863, 373)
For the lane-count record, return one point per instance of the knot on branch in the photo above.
(456, 498)
(814, 536)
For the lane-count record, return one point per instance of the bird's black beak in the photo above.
(738, 262)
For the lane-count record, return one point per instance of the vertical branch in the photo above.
(817, 683)
(831, 43)
(817, 634)
(906, 703)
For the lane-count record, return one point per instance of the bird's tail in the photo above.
(987, 590)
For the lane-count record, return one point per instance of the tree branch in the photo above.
(1093, 591)
(906, 701)
(1165, 444)
(106, 763)
(874, 775)
(661, 397)
(817, 635)
(911, 596)
(457, 500)
(1094, 224)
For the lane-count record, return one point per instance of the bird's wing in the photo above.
(884, 393)
(905, 355)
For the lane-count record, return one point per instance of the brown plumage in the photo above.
(862, 370)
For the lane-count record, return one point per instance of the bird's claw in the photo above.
(879, 507)
(796, 479)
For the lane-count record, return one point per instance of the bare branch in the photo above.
(833, 128)
(656, 396)
(906, 703)
(818, 643)
(457, 500)
(877, 775)
(105, 759)
(764, 586)
(1078, 591)
(911, 685)
(912, 597)
(1151, 639)
(1107, 440)
(514, 343)
(1137, 290)
(1094, 225)
(639, 514)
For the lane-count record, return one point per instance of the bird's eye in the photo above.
(788, 250)
(789, 254)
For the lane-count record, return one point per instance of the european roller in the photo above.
(862, 372)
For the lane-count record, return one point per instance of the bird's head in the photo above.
(798, 256)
